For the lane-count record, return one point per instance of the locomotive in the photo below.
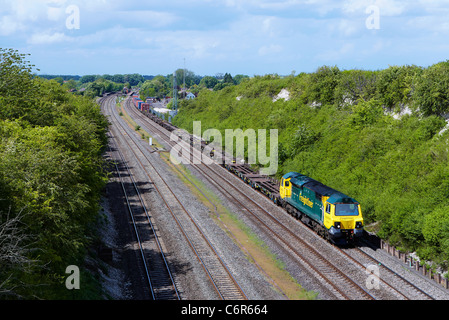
(330, 213)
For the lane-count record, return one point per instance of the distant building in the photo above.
(190, 96)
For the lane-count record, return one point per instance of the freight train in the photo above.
(139, 104)
(332, 214)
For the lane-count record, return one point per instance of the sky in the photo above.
(251, 37)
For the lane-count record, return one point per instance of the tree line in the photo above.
(159, 86)
(162, 86)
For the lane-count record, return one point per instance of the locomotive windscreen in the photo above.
(346, 209)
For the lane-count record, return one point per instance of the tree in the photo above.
(395, 85)
(88, 78)
(14, 252)
(354, 85)
(239, 78)
(431, 94)
(70, 84)
(133, 79)
(323, 83)
(15, 80)
(59, 80)
(189, 77)
(208, 82)
(118, 78)
(157, 87)
(228, 79)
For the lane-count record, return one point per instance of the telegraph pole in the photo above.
(184, 83)
(175, 92)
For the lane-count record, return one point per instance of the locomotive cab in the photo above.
(343, 218)
(331, 213)
(285, 189)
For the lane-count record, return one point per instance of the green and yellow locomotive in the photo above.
(330, 213)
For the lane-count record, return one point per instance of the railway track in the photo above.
(387, 277)
(331, 277)
(214, 267)
(157, 272)
(156, 269)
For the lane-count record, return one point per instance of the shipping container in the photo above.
(145, 107)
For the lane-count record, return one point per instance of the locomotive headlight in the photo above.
(337, 225)
(358, 224)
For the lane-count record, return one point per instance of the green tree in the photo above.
(395, 85)
(239, 78)
(16, 79)
(209, 82)
(70, 84)
(323, 83)
(50, 179)
(228, 79)
(355, 85)
(88, 78)
(431, 93)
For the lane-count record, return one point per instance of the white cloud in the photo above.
(9, 26)
(47, 38)
(346, 50)
(153, 19)
(348, 27)
(250, 35)
(387, 7)
(270, 49)
(429, 23)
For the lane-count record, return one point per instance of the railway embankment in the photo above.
(341, 127)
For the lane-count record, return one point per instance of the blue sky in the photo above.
(253, 37)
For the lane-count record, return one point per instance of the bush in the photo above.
(431, 94)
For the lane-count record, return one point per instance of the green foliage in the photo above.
(51, 178)
(100, 87)
(158, 87)
(355, 85)
(208, 82)
(323, 83)
(366, 113)
(395, 85)
(132, 79)
(432, 89)
(338, 128)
